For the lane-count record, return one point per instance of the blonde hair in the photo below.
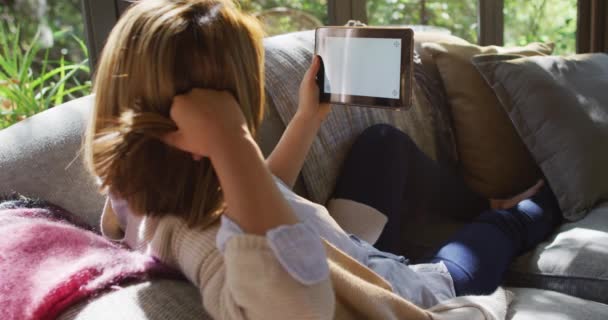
(159, 49)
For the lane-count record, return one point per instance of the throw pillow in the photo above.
(494, 161)
(559, 107)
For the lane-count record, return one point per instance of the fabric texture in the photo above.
(559, 107)
(160, 299)
(248, 282)
(297, 247)
(471, 254)
(425, 288)
(535, 304)
(49, 264)
(573, 261)
(41, 157)
(299, 251)
(493, 159)
(287, 58)
(385, 170)
(357, 218)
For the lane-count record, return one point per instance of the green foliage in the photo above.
(541, 20)
(27, 86)
(458, 16)
(317, 8)
(43, 61)
(61, 17)
(288, 22)
(525, 21)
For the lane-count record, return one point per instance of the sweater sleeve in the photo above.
(258, 286)
(247, 281)
(297, 247)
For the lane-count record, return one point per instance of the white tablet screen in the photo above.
(363, 66)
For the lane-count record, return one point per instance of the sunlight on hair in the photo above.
(157, 50)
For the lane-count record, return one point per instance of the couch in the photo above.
(564, 277)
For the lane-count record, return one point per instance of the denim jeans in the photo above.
(387, 171)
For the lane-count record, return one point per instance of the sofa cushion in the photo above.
(573, 261)
(535, 304)
(426, 56)
(493, 158)
(287, 58)
(559, 106)
(268, 135)
(41, 157)
(152, 300)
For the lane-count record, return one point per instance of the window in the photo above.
(541, 20)
(44, 60)
(458, 17)
(510, 22)
(282, 16)
(524, 21)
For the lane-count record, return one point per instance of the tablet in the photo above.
(365, 66)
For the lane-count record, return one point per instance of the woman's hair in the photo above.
(159, 49)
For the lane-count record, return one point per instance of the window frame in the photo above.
(100, 17)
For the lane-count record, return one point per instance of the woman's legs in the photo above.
(479, 254)
(387, 171)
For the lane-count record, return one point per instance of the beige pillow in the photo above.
(494, 160)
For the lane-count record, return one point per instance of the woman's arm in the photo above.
(254, 283)
(287, 159)
(253, 199)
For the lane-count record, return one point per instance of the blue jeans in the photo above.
(386, 170)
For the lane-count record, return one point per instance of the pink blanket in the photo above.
(48, 264)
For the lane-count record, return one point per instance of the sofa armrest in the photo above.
(41, 157)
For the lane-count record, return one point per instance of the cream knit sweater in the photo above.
(248, 282)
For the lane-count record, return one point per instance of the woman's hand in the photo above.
(512, 202)
(205, 119)
(309, 107)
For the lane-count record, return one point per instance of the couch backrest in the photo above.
(40, 157)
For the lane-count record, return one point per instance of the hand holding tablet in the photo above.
(365, 66)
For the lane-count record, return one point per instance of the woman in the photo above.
(186, 181)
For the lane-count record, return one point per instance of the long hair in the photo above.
(159, 49)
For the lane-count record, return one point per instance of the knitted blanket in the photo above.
(48, 261)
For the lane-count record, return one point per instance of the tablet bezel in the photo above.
(406, 73)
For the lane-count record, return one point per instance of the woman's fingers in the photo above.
(171, 138)
(176, 139)
(311, 73)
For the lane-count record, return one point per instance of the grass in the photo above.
(30, 82)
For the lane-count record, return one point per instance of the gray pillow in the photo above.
(559, 106)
